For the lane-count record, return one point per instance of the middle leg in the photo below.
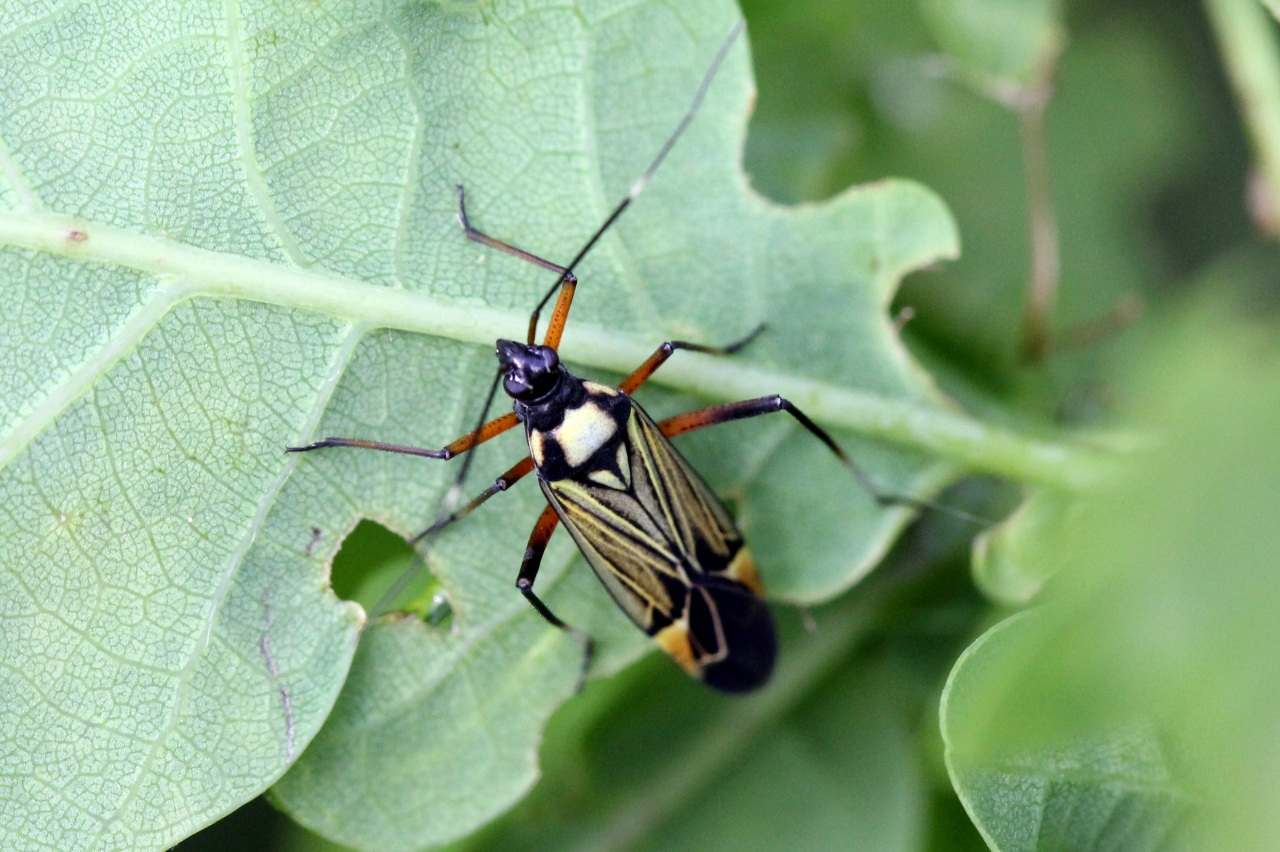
(704, 417)
(666, 350)
(502, 483)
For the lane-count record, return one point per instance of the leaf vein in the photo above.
(258, 188)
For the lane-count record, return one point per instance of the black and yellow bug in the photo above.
(656, 535)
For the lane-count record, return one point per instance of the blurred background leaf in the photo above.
(990, 41)
(1138, 708)
(1100, 786)
(1013, 560)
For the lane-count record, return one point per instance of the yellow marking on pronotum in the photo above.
(597, 389)
(584, 431)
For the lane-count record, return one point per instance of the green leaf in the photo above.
(228, 229)
(1106, 788)
(1148, 684)
(1246, 40)
(998, 40)
(1013, 560)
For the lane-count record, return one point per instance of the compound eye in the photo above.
(515, 385)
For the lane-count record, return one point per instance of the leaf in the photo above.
(1107, 788)
(998, 40)
(1014, 559)
(228, 229)
(1140, 703)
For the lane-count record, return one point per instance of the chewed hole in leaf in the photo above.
(372, 559)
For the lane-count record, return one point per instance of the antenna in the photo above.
(642, 181)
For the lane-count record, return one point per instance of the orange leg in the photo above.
(502, 483)
(559, 316)
(692, 420)
(538, 539)
(489, 241)
(666, 350)
(565, 284)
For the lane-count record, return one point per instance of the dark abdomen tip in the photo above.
(749, 635)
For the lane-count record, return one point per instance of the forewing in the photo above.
(650, 530)
(632, 556)
(695, 520)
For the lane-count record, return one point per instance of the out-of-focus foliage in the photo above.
(1136, 707)
(1012, 561)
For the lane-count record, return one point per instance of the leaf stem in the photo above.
(1246, 37)
(190, 272)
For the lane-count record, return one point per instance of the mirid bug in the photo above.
(656, 535)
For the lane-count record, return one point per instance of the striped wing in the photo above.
(670, 555)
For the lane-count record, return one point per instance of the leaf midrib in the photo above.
(188, 272)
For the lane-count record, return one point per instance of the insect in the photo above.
(664, 546)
